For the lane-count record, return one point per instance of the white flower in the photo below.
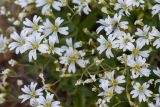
(141, 91)
(3, 44)
(136, 51)
(156, 8)
(157, 72)
(19, 42)
(34, 26)
(123, 58)
(125, 41)
(137, 3)
(106, 45)
(124, 6)
(107, 94)
(144, 36)
(48, 101)
(70, 43)
(23, 3)
(112, 25)
(30, 92)
(54, 29)
(2, 98)
(155, 33)
(51, 46)
(113, 82)
(33, 44)
(72, 57)
(12, 62)
(82, 6)
(139, 67)
(56, 4)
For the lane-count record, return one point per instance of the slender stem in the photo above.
(120, 103)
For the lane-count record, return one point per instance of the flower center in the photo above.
(109, 44)
(50, 1)
(48, 105)
(145, 36)
(109, 94)
(35, 46)
(22, 42)
(33, 94)
(137, 67)
(141, 88)
(55, 28)
(126, 40)
(114, 83)
(36, 27)
(135, 52)
(74, 57)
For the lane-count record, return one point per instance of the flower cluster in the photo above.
(36, 98)
(111, 46)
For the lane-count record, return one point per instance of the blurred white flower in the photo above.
(12, 62)
(107, 45)
(136, 51)
(137, 3)
(141, 91)
(2, 98)
(48, 101)
(72, 57)
(19, 42)
(156, 8)
(54, 29)
(125, 41)
(33, 44)
(34, 26)
(30, 92)
(112, 25)
(124, 7)
(83, 5)
(144, 37)
(156, 34)
(139, 67)
(47, 4)
(113, 82)
(23, 3)
(3, 44)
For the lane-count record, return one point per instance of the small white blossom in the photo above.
(136, 51)
(82, 6)
(125, 41)
(72, 57)
(112, 25)
(34, 26)
(144, 37)
(19, 42)
(12, 62)
(47, 4)
(107, 45)
(30, 92)
(54, 29)
(23, 3)
(48, 101)
(137, 3)
(33, 44)
(156, 8)
(155, 33)
(124, 6)
(113, 82)
(2, 98)
(3, 44)
(141, 91)
(139, 67)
